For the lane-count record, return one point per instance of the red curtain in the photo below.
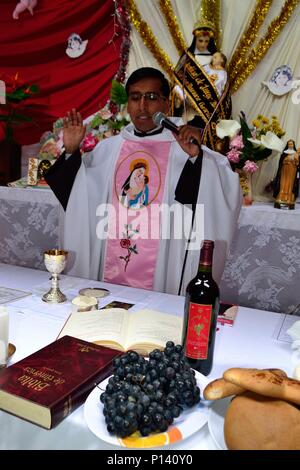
(35, 47)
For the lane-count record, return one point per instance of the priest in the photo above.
(134, 205)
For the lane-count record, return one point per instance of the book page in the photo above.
(98, 325)
(152, 327)
(10, 295)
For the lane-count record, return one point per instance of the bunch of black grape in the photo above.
(146, 396)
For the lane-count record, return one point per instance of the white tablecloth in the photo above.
(251, 342)
(263, 268)
(30, 223)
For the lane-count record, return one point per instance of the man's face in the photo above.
(141, 108)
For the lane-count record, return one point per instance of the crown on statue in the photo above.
(204, 27)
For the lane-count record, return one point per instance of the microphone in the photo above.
(160, 119)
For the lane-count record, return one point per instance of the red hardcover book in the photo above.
(48, 385)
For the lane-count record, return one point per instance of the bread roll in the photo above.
(255, 422)
(221, 388)
(265, 383)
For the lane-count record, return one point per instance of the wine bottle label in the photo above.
(198, 331)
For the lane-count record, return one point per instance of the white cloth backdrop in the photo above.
(253, 98)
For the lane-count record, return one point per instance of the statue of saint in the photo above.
(286, 183)
(201, 89)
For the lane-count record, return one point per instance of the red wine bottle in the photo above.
(201, 313)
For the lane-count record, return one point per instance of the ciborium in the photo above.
(55, 262)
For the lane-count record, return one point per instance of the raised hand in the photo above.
(74, 131)
(186, 133)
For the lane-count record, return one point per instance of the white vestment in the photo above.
(219, 191)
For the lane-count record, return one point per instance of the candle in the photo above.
(3, 335)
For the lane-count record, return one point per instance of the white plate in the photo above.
(97, 292)
(188, 423)
(216, 420)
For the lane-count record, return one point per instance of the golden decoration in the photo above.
(249, 36)
(258, 52)
(210, 11)
(149, 39)
(171, 20)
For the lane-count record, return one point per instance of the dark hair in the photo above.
(126, 186)
(224, 58)
(212, 48)
(148, 72)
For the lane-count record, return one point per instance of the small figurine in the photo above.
(22, 6)
(286, 183)
(76, 46)
(217, 71)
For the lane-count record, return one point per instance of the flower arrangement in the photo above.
(249, 145)
(51, 142)
(102, 125)
(262, 125)
(16, 91)
(105, 123)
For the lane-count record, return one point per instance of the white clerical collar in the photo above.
(156, 130)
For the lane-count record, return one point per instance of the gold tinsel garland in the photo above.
(211, 10)
(265, 43)
(149, 39)
(246, 42)
(171, 20)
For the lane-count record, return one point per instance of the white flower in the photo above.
(119, 117)
(227, 128)
(271, 141)
(255, 142)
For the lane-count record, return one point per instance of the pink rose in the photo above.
(233, 156)
(105, 114)
(89, 142)
(250, 167)
(237, 142)
(125, 243)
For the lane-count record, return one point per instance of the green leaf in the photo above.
(262, 153)
(34, 88)
(118, 93)
(96, 121)
(245, 131)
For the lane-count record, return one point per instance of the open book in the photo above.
(119, 329)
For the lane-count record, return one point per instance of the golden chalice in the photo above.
(55, 262)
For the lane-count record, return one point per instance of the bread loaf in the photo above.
(221, 388)
(265, 383)
(255, 422)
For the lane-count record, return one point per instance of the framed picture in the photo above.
(37, 169)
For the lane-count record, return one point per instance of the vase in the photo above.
(10, 162)
(246, 185)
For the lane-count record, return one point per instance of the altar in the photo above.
(263, 266)
(253, 341)
(261, 272)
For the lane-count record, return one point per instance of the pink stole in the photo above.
(134, 219)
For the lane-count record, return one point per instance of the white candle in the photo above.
(3, 335)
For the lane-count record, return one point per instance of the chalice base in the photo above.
(54, 296)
